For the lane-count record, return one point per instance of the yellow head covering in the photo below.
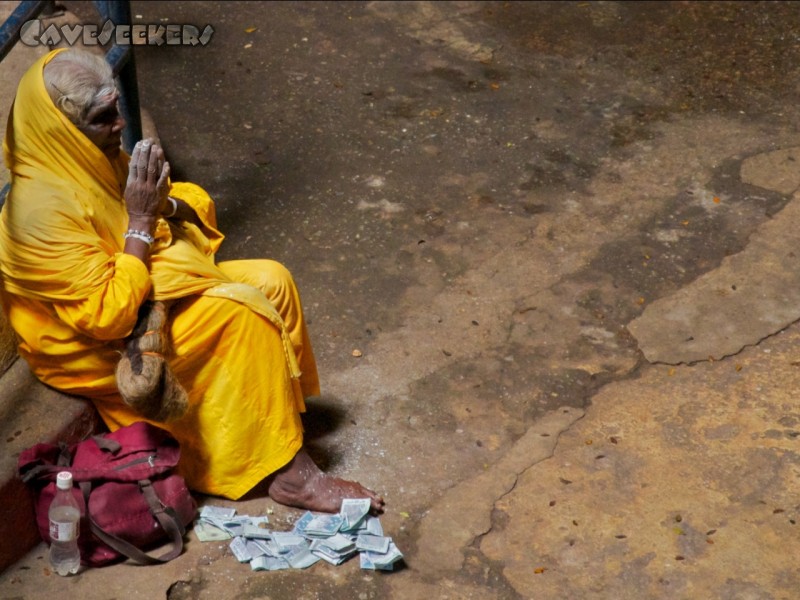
(64, 193)
(41, 142)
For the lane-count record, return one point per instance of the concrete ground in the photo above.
(561, 237)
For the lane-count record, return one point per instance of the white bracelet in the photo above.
(174, 207)
(140, 235)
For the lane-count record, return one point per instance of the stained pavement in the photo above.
(518, 214)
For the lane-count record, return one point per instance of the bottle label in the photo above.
(63, 532)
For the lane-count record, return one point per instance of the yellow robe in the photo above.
(238, 340)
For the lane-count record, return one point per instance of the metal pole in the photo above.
(25, 11)
(123, 63)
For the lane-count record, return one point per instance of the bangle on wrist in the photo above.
(140, 235)
(174, 207)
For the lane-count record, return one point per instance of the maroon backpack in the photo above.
(126, 480)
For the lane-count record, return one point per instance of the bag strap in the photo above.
(64, 455)
(48, 471)
(107, 444)
(165, 515)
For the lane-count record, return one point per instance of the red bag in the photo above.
(126, 481)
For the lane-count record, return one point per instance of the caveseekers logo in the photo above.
(33, 33)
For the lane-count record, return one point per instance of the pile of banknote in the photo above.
(333, 538)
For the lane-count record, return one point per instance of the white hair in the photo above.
(76, 80)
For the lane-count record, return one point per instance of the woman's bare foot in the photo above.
(302, 484)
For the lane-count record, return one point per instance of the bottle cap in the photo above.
(64, 480)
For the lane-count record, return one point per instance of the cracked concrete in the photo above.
(452, 523)
(669, 482)
(752, 295)
(502, 207)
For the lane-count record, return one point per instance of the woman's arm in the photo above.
(110, 312)
(145, 196)
(182, 212)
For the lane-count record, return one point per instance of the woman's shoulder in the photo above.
(40, 200)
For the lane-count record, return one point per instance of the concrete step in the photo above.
(31, 412)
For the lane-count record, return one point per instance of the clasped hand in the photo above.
(148, 181)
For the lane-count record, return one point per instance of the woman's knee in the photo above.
(278, 273)
(278, 282)
(270, 276)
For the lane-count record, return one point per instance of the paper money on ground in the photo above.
(378, 544)
(323, 526)
(206, 532)
(334, 538)
(217, 512)
(353, 512)
(217, 523)
(384, 561)
(268, 563)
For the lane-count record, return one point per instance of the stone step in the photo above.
(31, 412)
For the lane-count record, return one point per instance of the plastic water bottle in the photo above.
(65, 516)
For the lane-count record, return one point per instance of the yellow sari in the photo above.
(239, 342)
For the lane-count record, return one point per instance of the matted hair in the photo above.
(76, 80)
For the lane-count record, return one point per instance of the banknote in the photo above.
(268, 563)
(217, 512)
(259, 563)
(300, 556)
(338, 542)
(366, 563)
(330, 555)
(353, 512)
(373, 543)
(255, 549)
(323, 526)
(373, 526)
(260, 548)
(239, 548)
(232, 525)
(206, 532)
(285, 539)
(251, 531)
(387, 559)
(301, 523)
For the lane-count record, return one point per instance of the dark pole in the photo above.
(123, 63)
(25, 11)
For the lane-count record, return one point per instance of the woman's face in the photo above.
(103, 125)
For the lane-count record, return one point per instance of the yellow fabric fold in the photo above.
(183, 265)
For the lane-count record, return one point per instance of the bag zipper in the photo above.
(151, 460)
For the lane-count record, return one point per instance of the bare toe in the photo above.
(303, 485)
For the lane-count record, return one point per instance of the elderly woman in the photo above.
(90, 238)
